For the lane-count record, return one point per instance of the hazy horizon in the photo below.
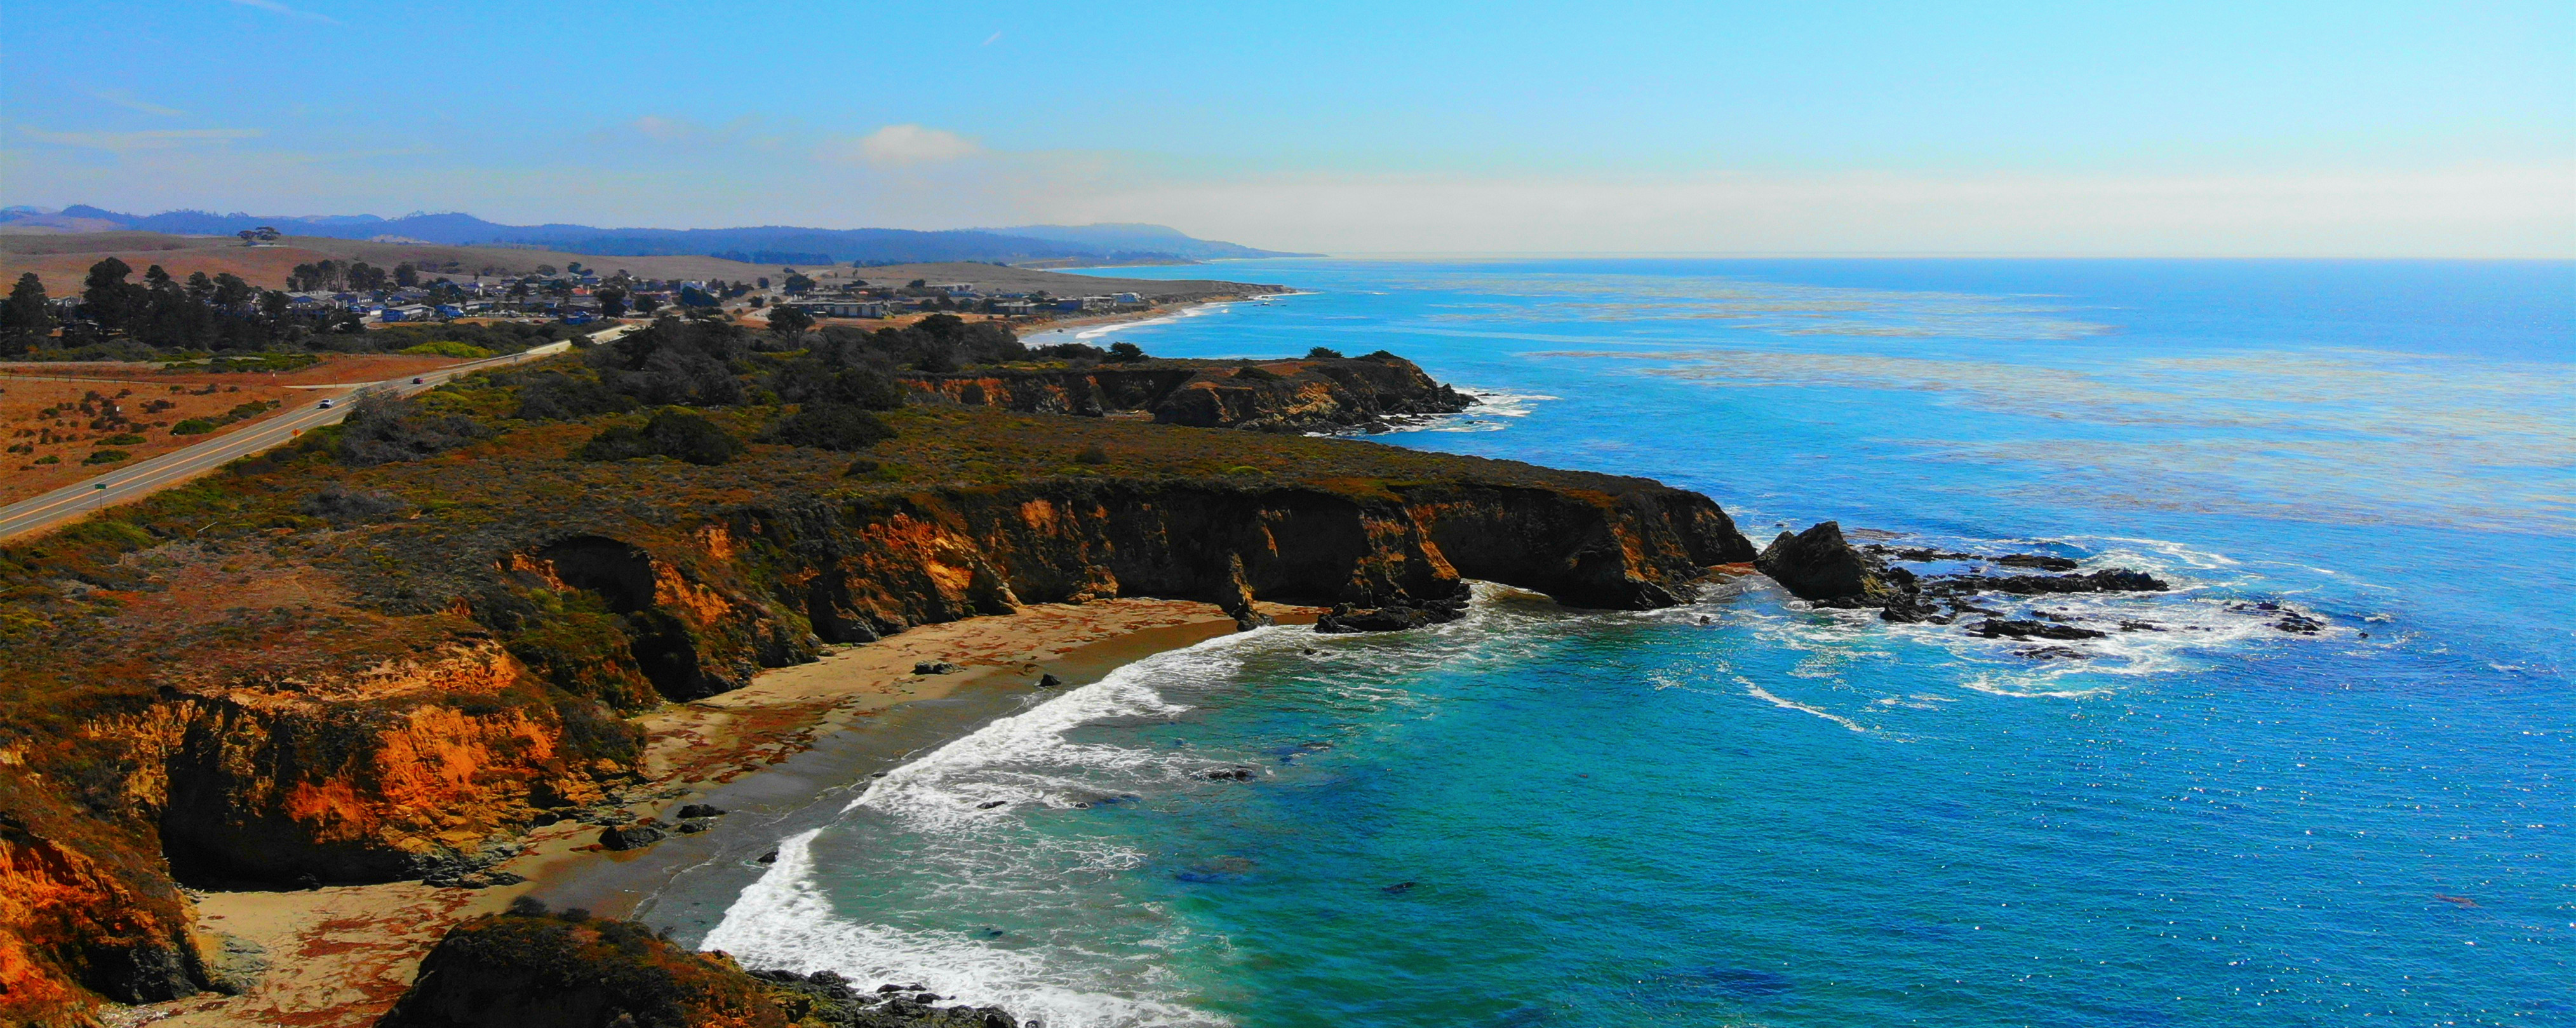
(2300, 130)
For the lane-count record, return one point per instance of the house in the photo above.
(406, 312)
(839, 308)
(1015, 307)
(1129, 300)
(956, 288)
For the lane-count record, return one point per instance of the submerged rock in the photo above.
(1397, 615)
(2027, 630)
(2108, 580)
(935, 667)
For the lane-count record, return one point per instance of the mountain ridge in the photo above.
(765, 244)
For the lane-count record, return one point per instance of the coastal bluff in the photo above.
(1312, 394)
(308, 670)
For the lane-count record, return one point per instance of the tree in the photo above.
(798, 285)
(1126, 353)
(27, 313)
(405, 275)
(645, 302)
(789, 321)
(248, 236)
(106, 296)
(612, 302)
(231, 292)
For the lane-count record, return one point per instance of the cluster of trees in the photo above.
(357, 275)
(219, 312)
(675, 365)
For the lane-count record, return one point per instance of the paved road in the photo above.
(135, 481)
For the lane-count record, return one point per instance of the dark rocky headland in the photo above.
(383, 652)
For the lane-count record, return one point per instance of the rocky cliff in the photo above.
(1307, 395)
(213, 687)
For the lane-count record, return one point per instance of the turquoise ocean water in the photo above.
(1742, 812)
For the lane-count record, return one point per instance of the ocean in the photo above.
(1745, 812)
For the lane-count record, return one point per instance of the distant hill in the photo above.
(1136, 238)
(766, 244)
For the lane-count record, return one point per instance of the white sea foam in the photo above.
(784, 921)
(1485, 405)
(1761, 693)
(977, 861)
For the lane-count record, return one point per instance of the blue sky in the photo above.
(2281, 128)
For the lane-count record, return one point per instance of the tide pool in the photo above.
(1746, 812)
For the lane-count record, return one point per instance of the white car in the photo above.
(325, 405)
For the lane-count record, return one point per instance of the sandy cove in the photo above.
(338, 956)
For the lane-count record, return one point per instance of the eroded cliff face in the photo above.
(82, 916)
(392, 767)
(1283, 396)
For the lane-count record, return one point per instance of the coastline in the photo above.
(772, 754)
(1073, 328)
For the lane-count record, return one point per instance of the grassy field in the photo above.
(41, 416)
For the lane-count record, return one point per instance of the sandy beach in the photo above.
(338, 956)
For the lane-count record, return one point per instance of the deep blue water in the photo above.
(1746, 812)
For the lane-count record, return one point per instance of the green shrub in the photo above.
(555, 396)
(107, 457)
(122, 439)
(193, 426)
(672, 433)
(446, 348)
(382, 429)
(49, 459)
(841, 427)
(1092, 454)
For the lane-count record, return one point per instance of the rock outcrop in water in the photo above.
(1306, 395)
(1821, 567)
(1825, 569)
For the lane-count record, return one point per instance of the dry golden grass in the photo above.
(62, 261)
(26, 390)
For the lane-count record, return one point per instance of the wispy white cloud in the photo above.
(992, 39)
(274, 7)
(131, 102)
(153, 139)
(897, 146)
